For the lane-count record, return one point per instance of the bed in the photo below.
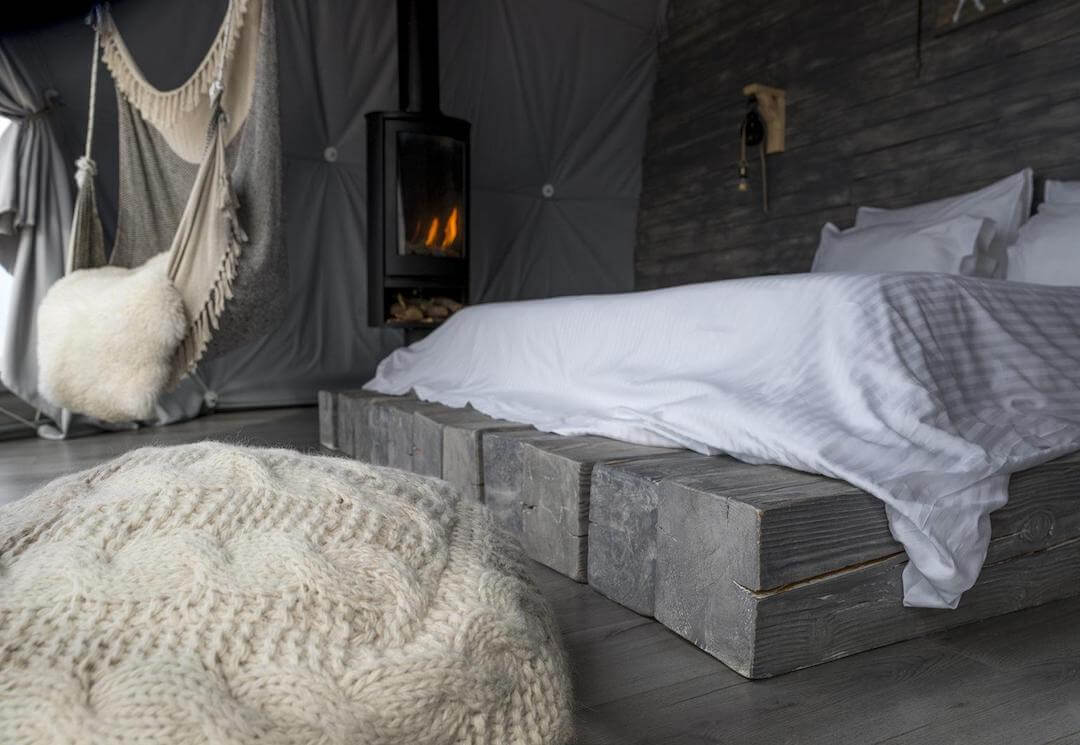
(766, 568)
(924, 390)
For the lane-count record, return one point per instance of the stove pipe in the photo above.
(418, 56)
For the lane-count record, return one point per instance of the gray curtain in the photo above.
(35, 213)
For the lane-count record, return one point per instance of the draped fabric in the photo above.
(214, 203)
(184, 154)
(35, 213)
(557, 92)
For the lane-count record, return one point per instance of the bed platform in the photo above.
(402, 432)
(765, 568)
(538, 485)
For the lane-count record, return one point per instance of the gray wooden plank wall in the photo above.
(863, 126)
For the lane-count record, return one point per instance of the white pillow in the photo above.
(1048, 250)
(1058, 209)
(1006, 202)
(1063, 192)
(949, 246)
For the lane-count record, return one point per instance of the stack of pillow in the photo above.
(985, 233)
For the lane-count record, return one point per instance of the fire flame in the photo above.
(449, 232)
(432, 232)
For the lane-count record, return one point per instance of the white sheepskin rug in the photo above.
(211, 593)
(107, 340)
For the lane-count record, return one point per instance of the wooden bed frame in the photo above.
(766, 568)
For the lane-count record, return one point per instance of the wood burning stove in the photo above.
(418, 189)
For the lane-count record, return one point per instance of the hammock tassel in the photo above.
(85, 169)
(86, 247)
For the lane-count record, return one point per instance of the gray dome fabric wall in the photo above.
(558, 94)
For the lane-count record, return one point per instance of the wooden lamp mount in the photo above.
(772, 105)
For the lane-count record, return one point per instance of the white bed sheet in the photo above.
(926, 390)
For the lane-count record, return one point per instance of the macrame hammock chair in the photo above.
(184, 277)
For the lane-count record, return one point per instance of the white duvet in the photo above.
(926, 390)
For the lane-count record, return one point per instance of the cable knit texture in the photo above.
(221, 594)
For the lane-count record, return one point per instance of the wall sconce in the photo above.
(764, 125)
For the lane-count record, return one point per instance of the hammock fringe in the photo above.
(202, 327)
(163, 108)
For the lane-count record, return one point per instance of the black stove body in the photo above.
(418, 186)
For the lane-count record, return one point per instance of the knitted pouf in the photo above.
(218, 594)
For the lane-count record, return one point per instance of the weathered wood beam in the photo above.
(448, 444)
(793, 572)
(544, 481)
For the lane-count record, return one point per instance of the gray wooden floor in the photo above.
(1011, 680)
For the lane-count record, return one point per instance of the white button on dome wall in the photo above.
(330, 154)
(548, 191)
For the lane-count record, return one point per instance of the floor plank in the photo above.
(1073, 739)
(1012, 679)
(28, 464)
(849, 701)
(626, 659)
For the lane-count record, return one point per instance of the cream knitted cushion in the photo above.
(217, 594)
